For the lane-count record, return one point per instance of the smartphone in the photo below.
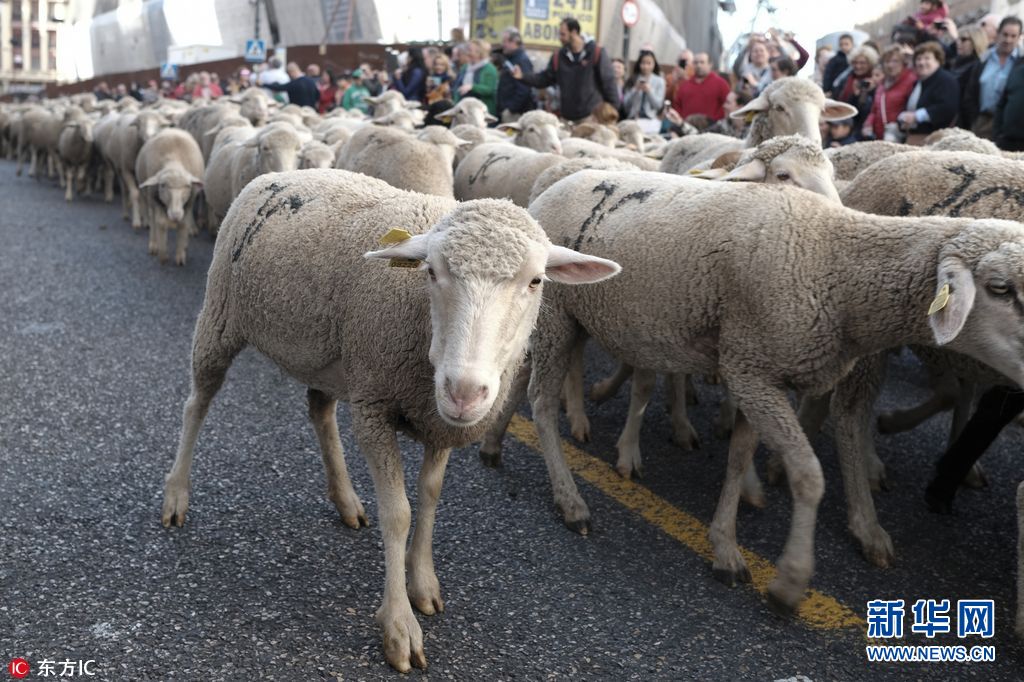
(509, 65)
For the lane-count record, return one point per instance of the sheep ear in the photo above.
(754, 171)
(253, 141)
(509, 128)
(572, 267)
(447, 113)
(710, 174)
(954, 299)
(196, 182)
(758, 104)
(413, 248)
(412, 104)
(490, 118)
(151, 182)
(837, 111)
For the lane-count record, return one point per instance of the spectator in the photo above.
(787, 38)
(736, 127)
(356, 94)
(244, 79)
(481, 78)
(840, 133)
(890, 98)
(120, 92)
(374, 81)
(439, 83)
(273, 74)
(1008, 122)
(681, 71)
(988, 78)
(151, 92)
(838, 64)
(928, 14)
(582, 71)
(619, 70)
(514, 97)
(102, 91)
(821, 59)
(206, 88)
(705, 93)
(757, 74)
(301, 89)
(313, 71)
(782, 67)
(934, 101)
(645, 93)
(858, 88)
(328, 90)
(970, 46)
(167, 89)
(411, 79)
(460, 58)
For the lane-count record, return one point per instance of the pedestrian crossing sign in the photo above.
(255, 51)
(169, 71)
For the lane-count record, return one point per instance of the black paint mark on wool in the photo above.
(966, 179)
(256, 224)
(481, 172)
(639, 196)
(608, 189)
(905, 207)
(1009, 194)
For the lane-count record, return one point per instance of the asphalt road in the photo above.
(265, 582)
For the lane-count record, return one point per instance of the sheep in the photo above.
(103, 139)
(169, 169)
(402, 119)
(334, 130)
(208, 140)
(273, 149)
(75, 148)
(467, 111)
(501, 171)
(199, 120)
(567, 167)
(255, 106)
(389, 102)
(131, 132)
(40, 133)
(713, 278)
(537, 130)
(851, 159)
(316, 154)
(421, 163)
(576, 147)
(596, 132)
(789, 106)
(453, 337)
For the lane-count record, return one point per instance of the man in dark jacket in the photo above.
(935, 100)
(838, 64)
(987, 78)
(581, 70)
(301, 88)
(514, 96)
(1008, 123)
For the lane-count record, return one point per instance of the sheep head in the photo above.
(537, 130)
(174, 189)
(791, 106)
(485, 264)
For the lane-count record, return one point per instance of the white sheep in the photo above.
(632, 136)
(467, 111)
(130, 133)
(575, 147)
(389, 102)
(169, 169)
(713, 276)
(597, 132)
(537, 130)
(428, 353)
(316, 154)
(501, 171)
(849, 160)
(420, 163)
(75, 146)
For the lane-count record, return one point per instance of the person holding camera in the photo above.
(859, 87)
(515, 98)
(645, 92)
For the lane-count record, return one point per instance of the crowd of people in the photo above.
(931, 75)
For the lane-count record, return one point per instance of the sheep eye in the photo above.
(779, 107)
(999, 288)
(535, 282)
(433, 275)
(782, 175)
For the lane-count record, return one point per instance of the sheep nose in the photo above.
(465, 393)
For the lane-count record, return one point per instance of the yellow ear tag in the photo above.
(511, 132)
(397, 235)
(941, 299)
(749, 117)
(695, 171)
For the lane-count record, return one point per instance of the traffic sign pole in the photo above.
(630, 14)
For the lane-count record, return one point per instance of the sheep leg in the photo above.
(33, 167)
(680, 388)
(161, 240)
(20, 154)
(852, 403)
(572, 389)
(69, 185)
(726, 415)
(629, 440)
(946, 390)
(976, 477)
(609, 386)
(403, 638)
(108, 182)
(768, 410)
(728, 566)
(211, 359)
(996, 408)
(813, 412)
(125, 198)
(1020, 561)
(490, 448)
(323, 415)
(133, 202)
(552, 347)
(424, 589)
(83, 181)
(181, 249)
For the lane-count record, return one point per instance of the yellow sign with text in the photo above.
(537, 20)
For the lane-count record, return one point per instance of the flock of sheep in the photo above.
(800, 287)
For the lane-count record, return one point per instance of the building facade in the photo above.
(29, 34)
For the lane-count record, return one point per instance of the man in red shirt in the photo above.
(705, 93)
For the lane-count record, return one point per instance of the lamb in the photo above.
(419, 164)
(316, 154)
(75, 148)
(851, 159)
(537, 130)
(170, 170)
(596, 132)
(131, 132)
(501, 171)
(454, 335)
(789, 106)
(467, 111)
(255, 106)
(712, 278)
(273, 149)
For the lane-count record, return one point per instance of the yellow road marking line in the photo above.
(818, 610)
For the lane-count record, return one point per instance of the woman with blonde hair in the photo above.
(970, 46)
(858, 88)
(439, 80)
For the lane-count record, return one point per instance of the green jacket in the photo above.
(485, 87)
(355, 97)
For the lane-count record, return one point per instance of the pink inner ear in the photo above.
(581, 272)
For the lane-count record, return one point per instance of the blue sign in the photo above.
(255, 51)
(537, 9)
(169, 72)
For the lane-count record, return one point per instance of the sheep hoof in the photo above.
(582, 526)
(731, 577)
(351, 511)
(975, 478)
(686, 438)
(175, 506)
(780, 607)
(490, 459)
(877, 549)
(425, 594)
(723, 432)
(580, 428)
(403, 640)
(880, 483)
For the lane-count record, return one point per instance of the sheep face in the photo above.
(539, 133)
(789, 160)
(173, 190)
(149, 123)
(255, 109)
(278, 149)
(791, 106)
(485, 264)
(983, 314)
(469, 111)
